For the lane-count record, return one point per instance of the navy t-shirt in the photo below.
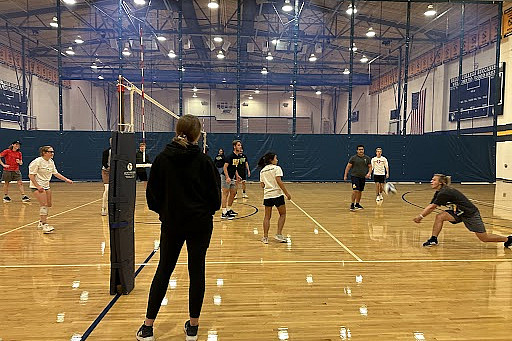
(241, 163)
(232, 160)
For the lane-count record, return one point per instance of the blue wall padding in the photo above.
(303, 157)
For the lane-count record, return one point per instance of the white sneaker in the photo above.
(245, 196)
(280, 238)
(236, 197)
(47, 228)
(264, 240)
(103, 211)
(41, 224)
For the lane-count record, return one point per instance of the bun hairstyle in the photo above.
(445, 180)
(188, 130)
(266, 159)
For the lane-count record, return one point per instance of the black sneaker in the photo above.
(25, 198)
(233, 213)
(358, 207)
(227, 216)
(7, 199)
(190, 331)
(352, 207)
(431, 242)
(508, 242)
(145, 333)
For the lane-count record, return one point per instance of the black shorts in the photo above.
(472, 222)
(379, 178)
(279, 201)
(358, 183)
(243, 175)
(142, 175)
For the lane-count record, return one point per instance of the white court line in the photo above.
(328, 233)
(55, 215)
(277, 262)
(490, 204)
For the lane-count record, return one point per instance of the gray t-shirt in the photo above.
(359, 165)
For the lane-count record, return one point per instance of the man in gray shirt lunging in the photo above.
(361, 169)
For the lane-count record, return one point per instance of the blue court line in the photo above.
(113, 301)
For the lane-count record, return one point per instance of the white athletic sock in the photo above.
(229, 208)
(224, 210)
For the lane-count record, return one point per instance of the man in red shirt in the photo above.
(12, 162)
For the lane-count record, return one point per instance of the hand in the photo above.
(368, 175)
(387, 176)
(345, 178)
(69, 181)
(248, 174)
(288, 196)
(40, 189)
(18, 161)
(238, 179)
(417, 220)
(5, 166)
(228, 180)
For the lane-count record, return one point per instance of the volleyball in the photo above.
(389, 188)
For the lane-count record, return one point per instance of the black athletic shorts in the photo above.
(243, 175)
(379, 178)
(279, 201)
(358, 183)
(142, 175)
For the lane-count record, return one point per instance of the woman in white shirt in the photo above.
(40, 172)
(273, 195)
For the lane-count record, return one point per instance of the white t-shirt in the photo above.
(43, 171)
(379, 165)
(268, 177)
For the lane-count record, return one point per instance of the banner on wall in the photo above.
(507, 22)
(12, 102)
(477, 95)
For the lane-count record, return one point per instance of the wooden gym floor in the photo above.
(342, 276)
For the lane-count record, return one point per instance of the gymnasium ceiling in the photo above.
(324, 30)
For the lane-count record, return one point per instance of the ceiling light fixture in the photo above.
(194, 89)
(354, 47)
(264, 71)
(70, 51)
(213, 4)
(351, 9)
(318, 92)
(364, 59)
(217, 39)
(126, 52)
(139, 2)
(194, 95)
(275, 41)
(430, 11)
(220, 55)
(287, 7)
(312, 58)
(371, 33)
(54, 22)
(69, 2)
(79, 40)
(250, 97)
(161, 38)
(346, 71)
(269, 56)
(100, 77)
(94, 66)
(171, 54)
(257, 91)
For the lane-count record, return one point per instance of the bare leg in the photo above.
(354, 196)
(282, 218)
(266, 220)
(377, 188)
(20, 186)
(358, 196)
(41, 198)
(438, 223)
(231, 197)
(225, 194)
(489, 237)
(6, 188)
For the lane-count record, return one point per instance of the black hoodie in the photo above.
(183, 186)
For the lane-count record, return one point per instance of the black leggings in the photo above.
(171, 242)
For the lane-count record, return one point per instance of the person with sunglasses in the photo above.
(40, 172)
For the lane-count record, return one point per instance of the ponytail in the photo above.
(266, 159)
(188, 130)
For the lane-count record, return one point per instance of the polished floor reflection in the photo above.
(341, 275)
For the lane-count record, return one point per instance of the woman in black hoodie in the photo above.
(184, 189)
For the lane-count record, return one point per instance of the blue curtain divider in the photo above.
(316, 158)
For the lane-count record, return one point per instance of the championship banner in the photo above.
(507, 22)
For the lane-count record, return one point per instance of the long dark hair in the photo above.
(266, 159)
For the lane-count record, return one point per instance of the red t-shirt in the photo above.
(10, 157)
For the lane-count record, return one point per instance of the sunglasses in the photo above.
(50, 151)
